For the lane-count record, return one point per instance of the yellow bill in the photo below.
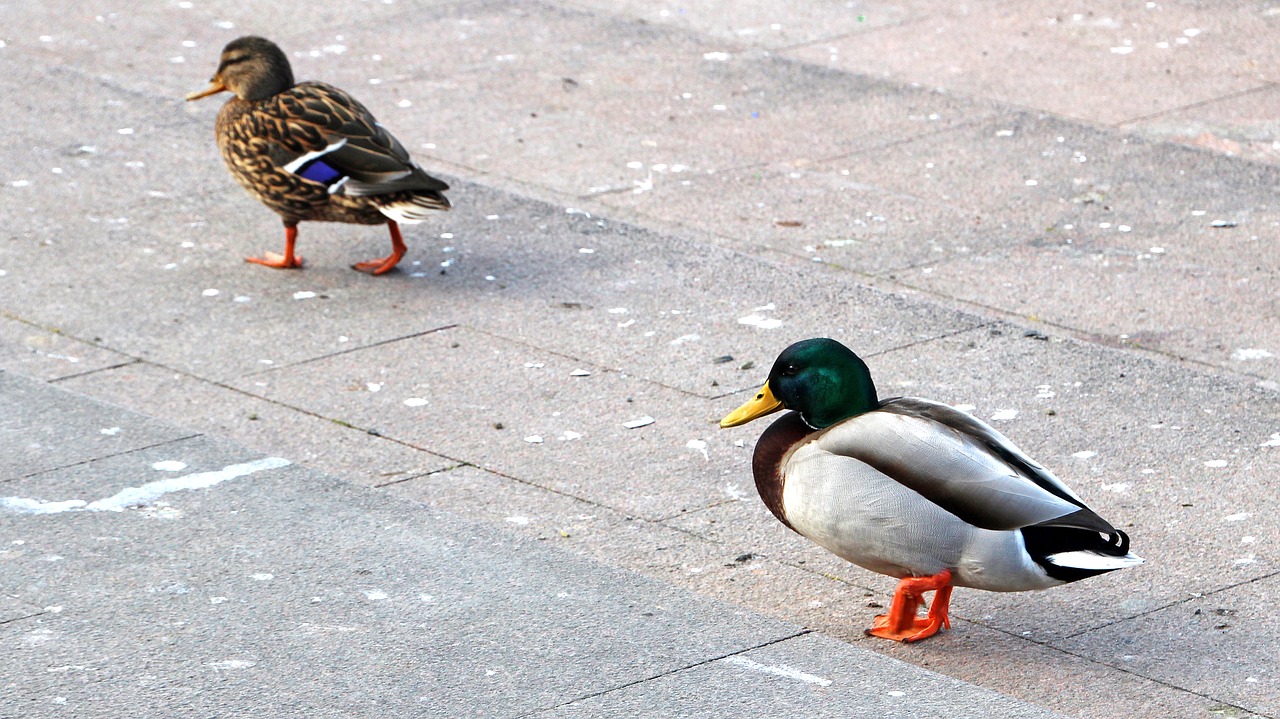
(763, 403)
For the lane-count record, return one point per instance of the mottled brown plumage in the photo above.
(311, 152)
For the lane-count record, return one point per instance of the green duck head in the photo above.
(820, 378)
(253, 68)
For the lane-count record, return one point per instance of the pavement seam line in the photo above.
(349, 350)
(342, 423)
(914, 343)
(1080, 335)
(603, 369)
(847, 35)
(644, 221)
(825, 159)
(420, 475)
(1154, 680)
(677, 670)
(3, 622)
(1200, 103)
(1175, 603)
(95, 370)
(104, 456)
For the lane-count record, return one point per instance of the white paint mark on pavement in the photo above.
(781, 671)
(25, 505)
(145, 494)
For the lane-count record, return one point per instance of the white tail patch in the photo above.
(1093, 560)
(411, 212)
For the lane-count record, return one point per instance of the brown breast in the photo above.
(772, 451)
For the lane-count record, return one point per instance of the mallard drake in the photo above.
(915, 489)
(310, 151)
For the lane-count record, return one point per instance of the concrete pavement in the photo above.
(1086, 248)
(178, 575)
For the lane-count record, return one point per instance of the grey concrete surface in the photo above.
(371, 606)
(1112, 61)
(997, 203)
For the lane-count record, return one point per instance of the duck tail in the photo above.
(1069, 554)
(412, 207)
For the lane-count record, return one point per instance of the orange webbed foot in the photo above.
(901, 623)
(378, 266)
(385, 264)
(280, 262)
(288, 260)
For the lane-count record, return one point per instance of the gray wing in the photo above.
(961, 464)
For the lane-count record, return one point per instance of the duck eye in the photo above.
(790, 370)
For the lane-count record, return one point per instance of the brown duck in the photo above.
(310, 151)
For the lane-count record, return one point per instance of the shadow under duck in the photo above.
(311, 152)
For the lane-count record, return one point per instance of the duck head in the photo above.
(820, 378)
(253, 68)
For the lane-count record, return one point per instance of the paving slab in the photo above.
(1207, 325)
(38, 352)
(665, 548)
(676, 311)
(524, 414)
(590, 103)
(1241, 125)
(211, 408)
(748, 525)
(1024, 669)
(1052, 200)
(12, 609)
(106, 135)
(1114, 61)
(198, 288)
(161, 50)
(743, 573)
(1033, 169)
(823, 211)
(1217, 643)
(791, 676)
(416, 599)
(770, 24)
(607, 292)
(45, 429)
(534, 511)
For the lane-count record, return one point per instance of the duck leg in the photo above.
(384, 264)
(901, 623)
(286, 261)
